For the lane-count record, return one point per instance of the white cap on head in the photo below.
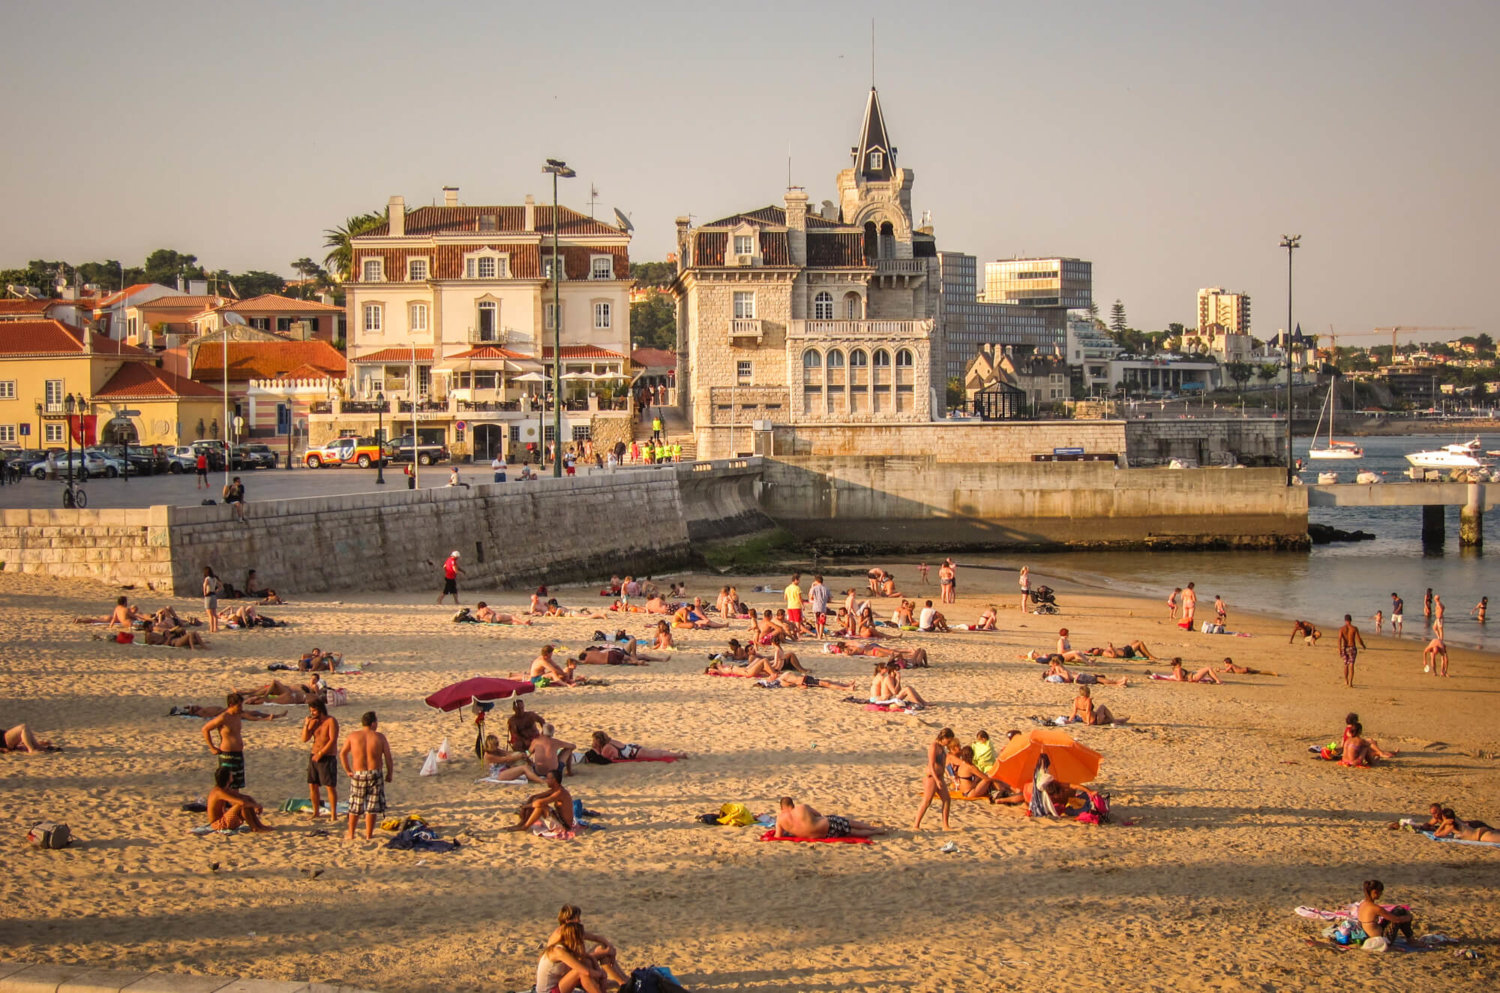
(454, 553)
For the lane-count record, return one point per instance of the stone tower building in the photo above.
(795, 315)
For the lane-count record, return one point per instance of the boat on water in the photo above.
(1462, 456)
(1331, 449)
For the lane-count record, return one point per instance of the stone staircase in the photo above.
(674, 428)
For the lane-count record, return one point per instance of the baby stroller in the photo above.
(1046, 602)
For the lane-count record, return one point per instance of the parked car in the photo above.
(145, 460)
(252, 457)
(84, 464)
(22, 460)
(215, 450)
(363, 452)
(427, 452)
(182, 459)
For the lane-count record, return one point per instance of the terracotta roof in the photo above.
(508, 219)
(712, 245)
(490, 352)
(395, 355)
(309, 372)
(12, 308)
(772, 215)
(583, 352)
(127, 292)
(195, 304)
(654, 358)
(51, 337)
(275, 303)
(265, 359)
(138, 381)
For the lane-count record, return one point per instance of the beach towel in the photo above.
(890, 708)
(721, 672)
(502, 782)
(1459, 841)
(771, 836)
(204, 829)
(297, 805)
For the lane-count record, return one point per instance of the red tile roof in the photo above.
(771, 214)
(308, 372)
(139, 381)
(195, 304)
(12, 308)
(395, 355)
(127, 292)
(583, 352)
(655, 358)
(28, 338)
(265, 359)
(508, 219)
(490, 352)
(275, 303)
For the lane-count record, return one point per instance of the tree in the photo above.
(340, 242)
(310, 272)
(253, 283)
(653, 273)
(1267, 372)
(1117, 318)
(1240, 372)
(1093, 312)
(165, 265)
(653, 322)
(955, 394)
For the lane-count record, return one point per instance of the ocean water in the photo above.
(1322, 585)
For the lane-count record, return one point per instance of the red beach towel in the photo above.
(771, 836)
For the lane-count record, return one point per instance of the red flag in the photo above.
(84, 428)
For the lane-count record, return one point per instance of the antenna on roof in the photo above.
(788, 165)
(624, 220)
(872, 53)
(593, 199)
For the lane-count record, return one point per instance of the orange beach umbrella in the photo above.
(1072, 763)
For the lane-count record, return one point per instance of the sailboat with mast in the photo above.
(1332, 449)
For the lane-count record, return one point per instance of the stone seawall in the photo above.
(900, 504)
(509, 534)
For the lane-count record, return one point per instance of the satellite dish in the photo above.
(624, 221)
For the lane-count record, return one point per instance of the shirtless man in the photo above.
(1058, 673)
(611, 655)
(886, 687)
(366, 758)
(1134, 650)
(489, 615)
(322, 763)
(124, 616)
(1438, 610)
(555, 798)
(319, 660)
(549, 755)
(1348, 636)
(228, 808)
(278, 692)
(522, 725)
(544, 666)
(230, 748)
(807, 681)
(798, 820)
(1242, 670)
(1435, 651)
(1305, 631)
(175, 637)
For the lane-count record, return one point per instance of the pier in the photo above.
(1433, 498)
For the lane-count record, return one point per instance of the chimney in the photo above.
(684, 249)
(796, 225)
(450, 196)
(396, 210)
(530, 214)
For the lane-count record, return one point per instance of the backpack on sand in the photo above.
(50, 835)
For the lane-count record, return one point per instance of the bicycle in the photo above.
(74, 498)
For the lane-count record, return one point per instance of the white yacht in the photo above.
(1447, 457)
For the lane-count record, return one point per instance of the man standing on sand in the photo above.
(798, 820)
(366, 758)
(793, 594)
(1348, 635)
(323, 763)
(230, 747)
(1398, 607)
(1436, 649)
(818, 595)
(451, 572)
(1189, 607)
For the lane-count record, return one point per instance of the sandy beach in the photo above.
(1231, 822)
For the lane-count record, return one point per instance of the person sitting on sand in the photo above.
(781, 659)
(888, 586)
(318, 660)
(983, 751)
(886, 688)
(1435, 656)
(1086, 711)
(228, 808)
(544, 670)
(656, 605)
(1058, 673)
(1378, 921)
(662, 638)
(738, 652)
(687, 617)
(554, 800)
(864, 623)
(1306, 631)
(759, 668)
(1242, 670)
(876, 578)
(987, 619)
(507, 766)
(1065, 647)
(486, 614)
(565, 963)
(798, 820)
(1135, 649)
(602, 953)
(932, 619)
(124, 615)
(902, 616)
(619, 751)
(805, 681)
(1179, 675)
(1357, 750)
(1452, 827)
(522, 725)
(969, 781)
(20, 739)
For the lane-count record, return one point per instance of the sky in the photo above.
(1170, 143)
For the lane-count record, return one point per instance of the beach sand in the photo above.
(1234, 823)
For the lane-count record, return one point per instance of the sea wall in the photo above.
(909, 504)
(509, 534)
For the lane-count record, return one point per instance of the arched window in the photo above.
(858, 359)
(812, 382)
(811, 359)
(835, 385)
(903, 357)
(859, 382)
(852, 307)
(882, 357)
(836, 359)
(880, 383)
(823, 306)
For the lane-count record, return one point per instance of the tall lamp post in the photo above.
(1291, 242)
(559, 169)
(380, 438)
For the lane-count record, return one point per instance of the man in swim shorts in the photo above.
(1348, 636)
(322, 763)
(1398, 609)
(798, 820)
(230, 748)
(366, 758)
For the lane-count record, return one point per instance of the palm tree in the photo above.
(340, 242)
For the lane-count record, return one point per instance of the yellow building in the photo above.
(44, 361)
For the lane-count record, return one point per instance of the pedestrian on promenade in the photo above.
(234, 495)
(498, 465)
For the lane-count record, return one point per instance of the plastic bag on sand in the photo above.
(442, 752)
(430, 767)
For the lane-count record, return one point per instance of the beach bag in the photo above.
(430, 767)
(736, 814)
(124, 637)
(464, 617)
(656, 979)
(442, 752)
(50, 835)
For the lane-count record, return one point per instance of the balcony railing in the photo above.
(906, 266)
(364, 407)
(321, 407)
(745, 327)
(423, 406)
(466, 406)
(890, 329)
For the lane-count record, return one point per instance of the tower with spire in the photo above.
(874, 192)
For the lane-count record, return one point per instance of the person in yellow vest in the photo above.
(676, 451)
(656, 428)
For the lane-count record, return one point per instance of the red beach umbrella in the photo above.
(461, 694)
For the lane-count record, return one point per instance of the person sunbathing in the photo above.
(278, 692)
(798, 820)
(738, 652)
(124, 615)
(617, 751)
(987, 620)
(759, 668)
(176, 637)
(228, 808)
(626, 607)
(888, 586)
(611, 655)
(864, 624)
(1452, 827)
(1085, 711)
(656, 605)
(554, 800)
(1136, 649)
(1376, 921)
(1242, 670)
(20, 739)
(1179, 675)
(555, 609)
(687, 617)
(545, 667)
(1058, 673)
(1356, 749)
(318, 660)
(903, 616)
(910, 658)
(489, 615)
(886, 688)
(662, 638)
(1306, 631)
(807, 681)
(244, 616)
(969, 781)
(781, 659)
(206, 712)
(1065, 647)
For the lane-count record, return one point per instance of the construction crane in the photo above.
(1381, 333)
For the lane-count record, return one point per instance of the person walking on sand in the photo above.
(818, 596)
(212, 587)
(1189, 607)
(933, 782)
(451, 572)
(1398, 606)
(366, 758)
(1025, 581)
(1438, 610)
(1221, 612)
(323, 763)
(1348, 636)
(1172, 603)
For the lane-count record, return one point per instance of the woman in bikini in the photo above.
(969, 782)
(781, 659)
(621, 751)
(1085, 711)
(1451, 827)
(933, 783)
(1179, 675)
(1376, 920)
(663, 637)
(865, 626)
(987, 619)
(602, 953)
(1133, 650)
(1059, 673)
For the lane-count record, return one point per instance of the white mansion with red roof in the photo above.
(819, 316)
(461, 296)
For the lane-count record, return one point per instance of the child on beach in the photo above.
(1379, 619)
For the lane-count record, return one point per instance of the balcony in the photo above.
(745, 327)
(901, 267)
(364, 407)
(859, 329)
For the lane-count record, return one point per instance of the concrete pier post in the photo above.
(1471, 519)
(1432, 526)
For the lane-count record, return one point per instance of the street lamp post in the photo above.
(380, 439)
(1291, 242)
(558, 169)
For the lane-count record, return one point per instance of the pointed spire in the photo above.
(874, 158)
